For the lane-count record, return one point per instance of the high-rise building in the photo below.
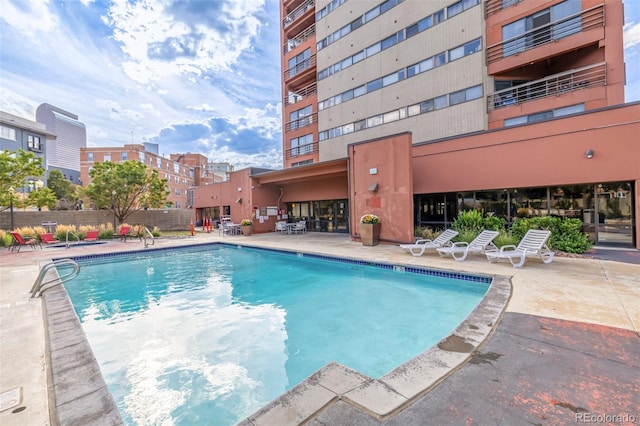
(63, 152)
(358, 70)
(417, 110)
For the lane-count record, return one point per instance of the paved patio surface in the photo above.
(568, 343)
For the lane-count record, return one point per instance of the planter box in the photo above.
(369, 233)
(247, 230)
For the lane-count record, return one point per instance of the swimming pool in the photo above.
(187, 335)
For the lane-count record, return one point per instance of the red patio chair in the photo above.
(17, 242)
(92, 235)
(124, 233)
(47, 238)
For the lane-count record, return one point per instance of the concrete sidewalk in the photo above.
(569, 291)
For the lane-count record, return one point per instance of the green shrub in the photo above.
(566, 234)
(5, 238)
(505, 238)
(465, 235)
(494, 223)
(468, 220)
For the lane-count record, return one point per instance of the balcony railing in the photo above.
(301, 122)
(555, 85)
(297, 12)
(495, 6)
(300, 67)
(545, 34)
(301, 94)
(296, 151)
(298, 39)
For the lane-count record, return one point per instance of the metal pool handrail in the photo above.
(146, 232)
(39, 286)
(72, 233)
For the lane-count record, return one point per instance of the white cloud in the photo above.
(631, 35)
(30, 18)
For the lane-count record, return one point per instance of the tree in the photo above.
(42, 197)
(15, 168)
(65, 191)
(126, 187)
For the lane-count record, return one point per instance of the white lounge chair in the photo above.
(281, 227)
(420, 246)
(481, 244)
(301, 226)
(533, 244)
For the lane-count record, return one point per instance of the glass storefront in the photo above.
(321, 216)
(606, 209)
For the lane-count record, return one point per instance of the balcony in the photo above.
(294, 42)
(579, 23)
(297, 13)
(301, 122)
(301, 94)
(494, 6)
(555, 85)
(297, 151)
(300, 70)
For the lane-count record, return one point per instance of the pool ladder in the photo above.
(69, 242)
(146, 232)
(39, 286)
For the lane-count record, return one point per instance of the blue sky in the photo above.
(192, 76)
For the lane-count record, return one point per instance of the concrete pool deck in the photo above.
(582, 311)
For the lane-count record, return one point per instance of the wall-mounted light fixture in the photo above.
(589, 154)
(373, 187)
(239, 189)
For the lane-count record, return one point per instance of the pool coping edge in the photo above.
(384, 397)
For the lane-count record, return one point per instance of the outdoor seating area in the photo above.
(481, 244)
(17, 242)
(533, 244)
(421, 245)
(289, 228)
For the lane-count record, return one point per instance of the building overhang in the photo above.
(317, 171)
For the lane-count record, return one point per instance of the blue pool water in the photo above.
(209, 335)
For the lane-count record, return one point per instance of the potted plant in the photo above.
(247, 227)
(369, 229)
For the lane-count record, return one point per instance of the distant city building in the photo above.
(19, 133)
(62, 151)
(198, 163)
(221, 171)
(177, 170)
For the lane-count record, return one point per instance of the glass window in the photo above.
(125, 157)
(440, 59)
(438, 17)
(426, 65)
(374, 121)
(374, 85)
(107, 157)
(414, 110)
(474, 92)
(411, 30)
(388, 42)
(456, 53)
(357, 23)
(372, 14)
(559, 112)
(347, 95)
(345, 30)
(359, 91)
(346, 63)
(510, 31)
(360, 125)
(426, 106)
(387, 5)
(159, 162)
(358, 57)
(472, 47)
(413, 70)
(391, 116)
(540, 116)
(457, 97)
(89, 156)
(515, 120)
(373, 49)
(347, 128)
(8, 133)
(440, 102)
(390, 79)
(454, 9)
(425, 23)
(564, 10)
